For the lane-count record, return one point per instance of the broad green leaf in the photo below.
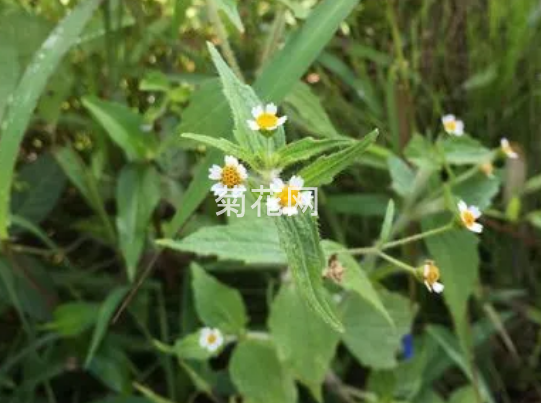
(305, 109)
(105, 313)
(83, 179)
(137, 195)
(323, 170)
(124, 126)
(304, 342)
(229, 7)
(355, 278)
(254, 242)
(459, 271)
(465, 150)
(274, 83)
(242, 99)
(226, 146)
(452, 348)
(112, 367)
(259, 375)
(307, 148)
(73, 318)
(421, 152)
(300, 241)
(478, 190)
(366, 328)
(364, 205)
(37, 189)
(387, 225)
(28, 91)
(217, 304)
(402, 176)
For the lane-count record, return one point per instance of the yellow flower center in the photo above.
(450, 126)
(433, 274)
(487, 168)
(467, 218)
(288, 197)
(267, 120)
(231, 176)
(507, 149)
(211, 339)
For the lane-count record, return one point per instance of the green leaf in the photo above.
(37, 189)
(304, 342)
(73, 318)
(459, 271)
(188, 348)
(421, 152)
(9, 71)
(222, 144)
(307, 148)
(467, 394)
(259, 375)
(355, 278)
(242, 99)
(209, 116)
(112, 367)
(255, 242)
(83, 179)
(403, 177)
(479, 190)
(217, 304)
(229, 7)
(137, 194)
(323, 170)
(387, 223)
(299, 238)
(105, 313)
(535, 218)
(532, 185)
(366, 328)
(465, 150)
(124, 126)
(305, 109)
(28, 91)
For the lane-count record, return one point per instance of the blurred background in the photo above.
(102, 172)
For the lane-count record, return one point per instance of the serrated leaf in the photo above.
(255, 242)
(27, 94)
(305, 109)
(323, 171)
(137, 195)
(124, 126)
(465, 150)
(217, 304)
(242, 99)
(355, 278)
(222, 144)
(259, 375)
(105, 313)
(367, 328)
(300, 241)
(304, 342)
(307, 148)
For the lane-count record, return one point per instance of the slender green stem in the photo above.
(397, 263)
(224, 40)
(418, 237)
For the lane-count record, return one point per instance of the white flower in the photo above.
(431, 275)
(230, 177)
(210, 339)
(452, 125)
(468, 215)
(288, 197)
(507, 149)
(266, 118)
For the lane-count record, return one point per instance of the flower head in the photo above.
(507, 149)
(266, 118)
(230, 177)
(452, 125)
(431, 275)
(210, 339)
(288, 197)
(468, 215)
(487, 168)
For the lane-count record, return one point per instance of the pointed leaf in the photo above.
(307, 148)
